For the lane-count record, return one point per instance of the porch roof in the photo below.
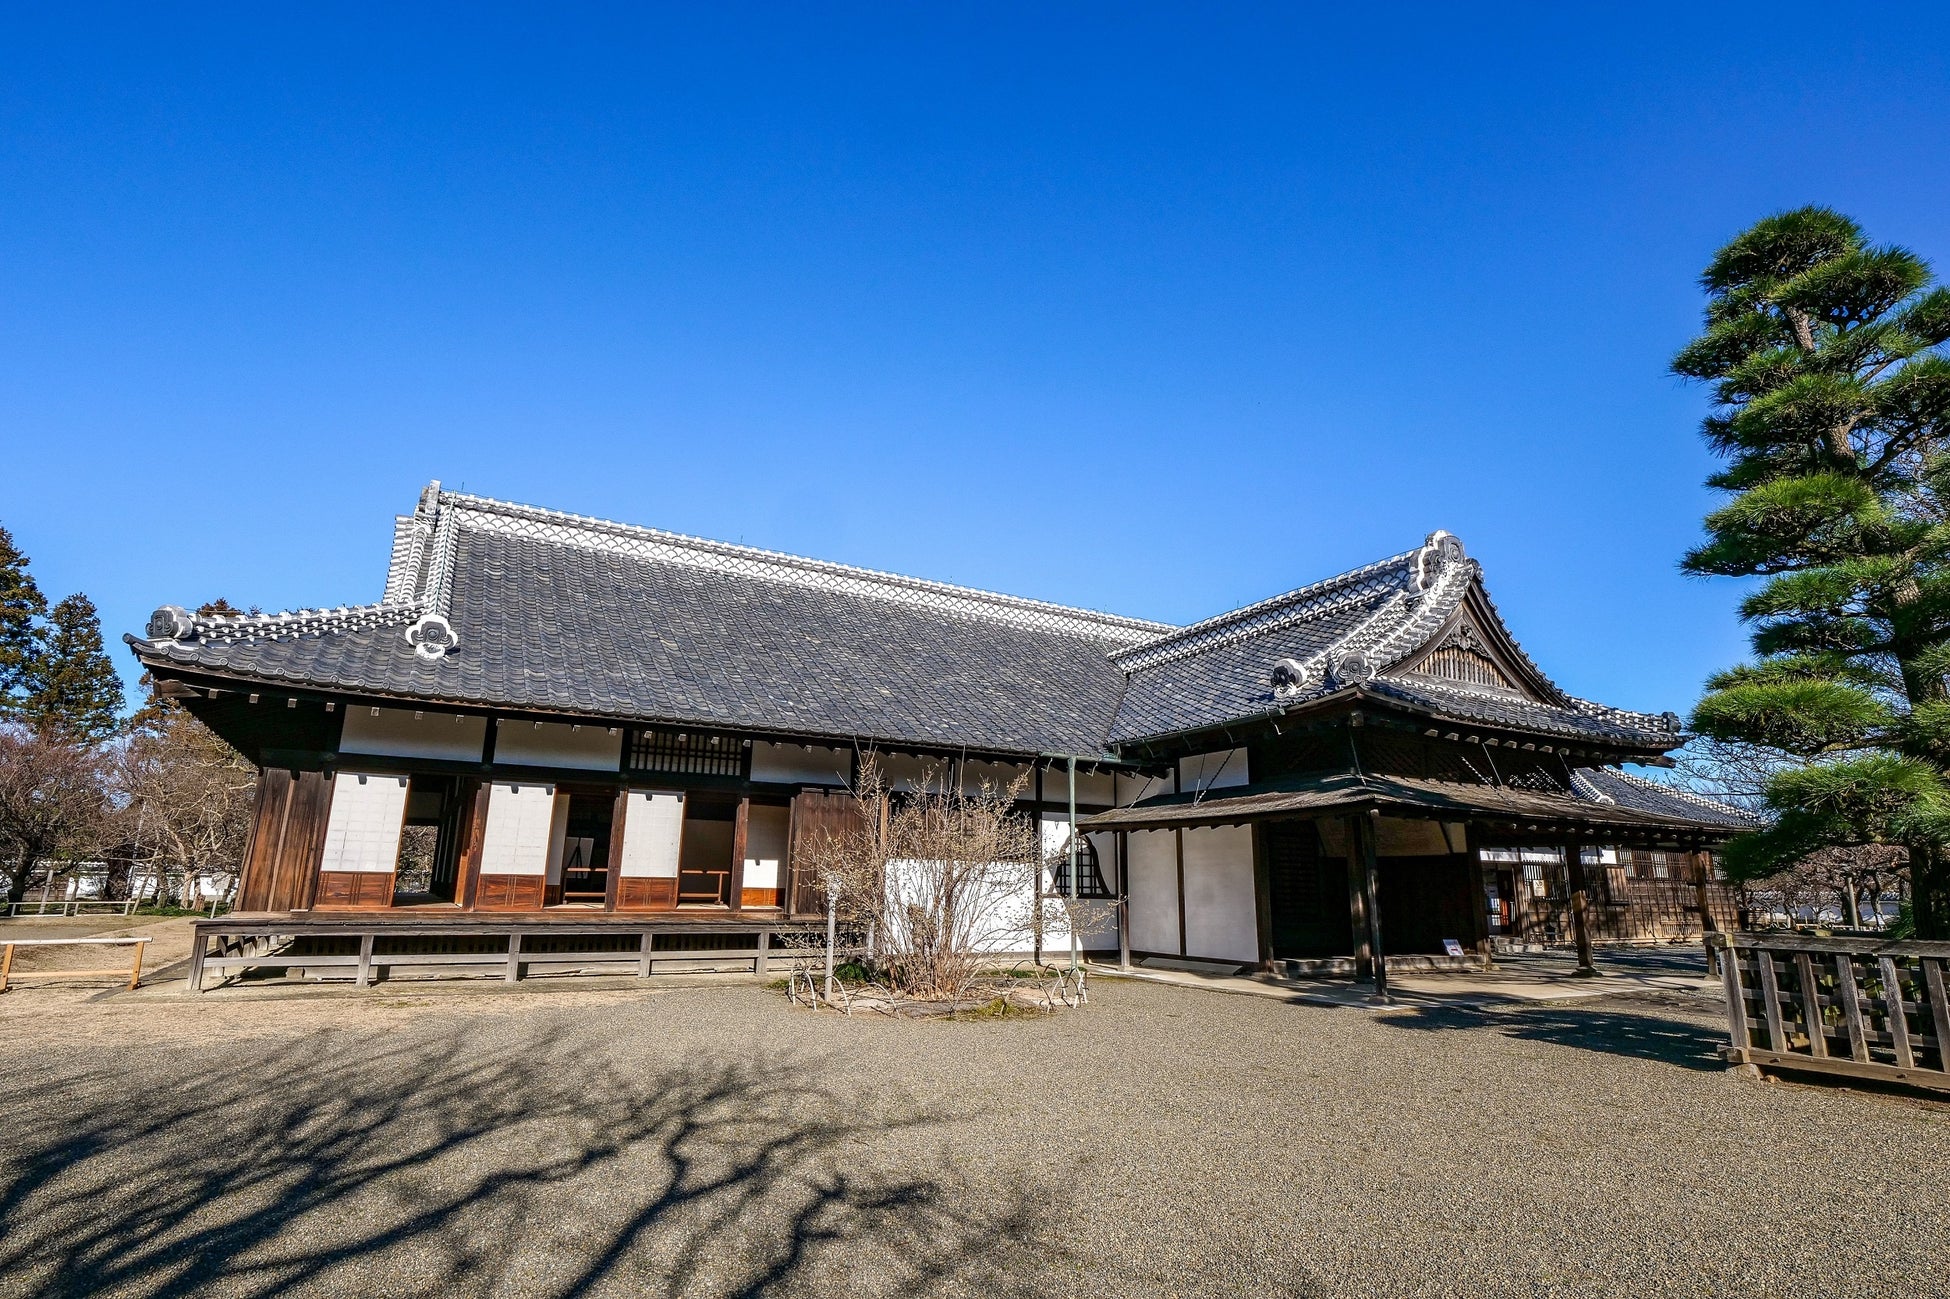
(1601, 800)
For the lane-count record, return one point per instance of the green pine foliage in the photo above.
(73, 687)
(1831, 386)
(21, 607)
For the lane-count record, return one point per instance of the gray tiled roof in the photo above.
(516, 607)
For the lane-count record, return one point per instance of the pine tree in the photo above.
(72, 687)
(1832, 410)
(21, 607)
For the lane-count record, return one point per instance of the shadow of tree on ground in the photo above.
(1638, 1035)
(437, 1167)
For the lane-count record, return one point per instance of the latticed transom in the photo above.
(687, 753)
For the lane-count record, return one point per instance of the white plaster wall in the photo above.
(556, 744)
(362, 831)
(906, 772)
(1094, 788)
(1221, 920)
(789, 764)
(765, 838)
(1217, 770)
(1152, 857)
(652, 830)
(397, 733)
(999, 775)
(520, 824)
(1131, 789)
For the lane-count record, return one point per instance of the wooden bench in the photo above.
(133, 973)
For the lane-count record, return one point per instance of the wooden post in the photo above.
(1123, 899)
(646, 943)
(1892, 998)
(198, 941)
(1804, 971)
(1580, 899)
(764, 942)
(1736, 998)
(740, 828)
(364, 979)
(1770, 994)
(1932, 969)
(1357, 899)
(1701, 859)
(1262, 896)
(135, 967)
(6, 966)
(514, 956)
(1178, 841)
(618, 826)
(1845, 988)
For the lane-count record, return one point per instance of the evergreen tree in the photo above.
(1832, 409)
(21, 607)
(72, 687)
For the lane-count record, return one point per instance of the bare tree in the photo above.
(185, 799)
(53, 800)
(947, 879)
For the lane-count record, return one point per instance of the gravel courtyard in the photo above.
(704, 1139)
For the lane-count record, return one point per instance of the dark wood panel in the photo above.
(646, 893)
(467, 887)
(815, 813)
(354, 890)
(280, 869)
(758, 897)
(510, 893)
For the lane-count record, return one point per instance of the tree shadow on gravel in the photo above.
(439, 1168)
(1633, 1034)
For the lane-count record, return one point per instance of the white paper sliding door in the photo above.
(520, 829)
(653, 837)
(362, 832)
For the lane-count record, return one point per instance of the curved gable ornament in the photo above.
(171, 622)
(1440, 550)
(431, 637)
(1291, 678)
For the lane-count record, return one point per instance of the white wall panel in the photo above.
(397, 733)
(765, 838)
(520, 825)
(1221, 919)
(788, 764)
(1152, 856)
(362, 831)
(652, 830)
(1212, 770)
(1094, 788)
(556, 744)
(1131, 789)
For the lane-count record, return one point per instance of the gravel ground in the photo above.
(708, 1140)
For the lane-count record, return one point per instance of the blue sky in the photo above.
(1153, 310)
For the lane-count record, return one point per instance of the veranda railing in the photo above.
(1851, 1007)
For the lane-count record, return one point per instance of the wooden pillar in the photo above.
(1262, 896)
(1357, 900)
(1361, 860)
(1580, 902)
(1178, 838)
(467, 884)
(619, 817)
(740, 828)
(1123, 900)
(1702, 888)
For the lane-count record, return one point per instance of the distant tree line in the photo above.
(153, 795)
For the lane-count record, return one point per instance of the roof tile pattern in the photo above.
(507, 605)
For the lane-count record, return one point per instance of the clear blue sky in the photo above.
(1157, 311)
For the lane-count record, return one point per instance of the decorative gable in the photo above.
(1461, 657)
(1473, 650)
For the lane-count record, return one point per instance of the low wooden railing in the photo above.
(8, 973)
(1850, 1007)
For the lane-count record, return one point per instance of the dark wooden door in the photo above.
(815, 813)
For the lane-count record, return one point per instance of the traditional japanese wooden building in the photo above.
(584, 720)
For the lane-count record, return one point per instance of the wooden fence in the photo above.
(1849, 1007)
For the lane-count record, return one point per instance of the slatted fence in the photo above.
(1847, 1007)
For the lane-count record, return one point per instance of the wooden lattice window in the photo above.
(687, 753)
(1455, 663)
(1090, 879)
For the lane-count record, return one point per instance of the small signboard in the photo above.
(1451, 947)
